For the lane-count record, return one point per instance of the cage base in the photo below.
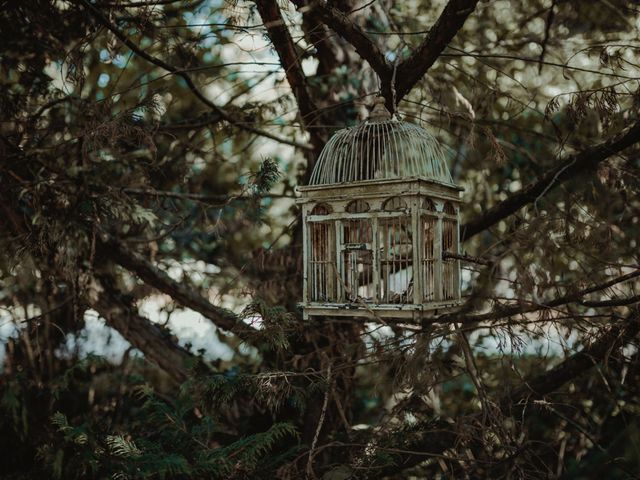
(385, 311)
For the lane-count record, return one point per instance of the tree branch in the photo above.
(135, 263)
(151, 339)
(290, 60)
(413, 68)
(221, 200)
(578, 363)
(439, 436)
(188, 80)
(317, 34)
(144, 3)
(519, 309)
(547, 34)
(614, 302)
(576, 164)
(352, 33)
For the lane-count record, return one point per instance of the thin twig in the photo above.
(310, 472)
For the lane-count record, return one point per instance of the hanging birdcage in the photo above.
(380, 218)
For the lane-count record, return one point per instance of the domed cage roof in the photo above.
(381, 148)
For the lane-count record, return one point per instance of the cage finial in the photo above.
(379, 112)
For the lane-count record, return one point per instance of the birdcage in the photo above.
(380, 218)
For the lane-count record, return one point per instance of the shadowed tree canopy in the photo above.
(149, 156)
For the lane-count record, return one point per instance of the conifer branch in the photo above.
(188, 80)
(439, 436)
(151, 339)
(520, 309)
(135, 263)
(578, 164)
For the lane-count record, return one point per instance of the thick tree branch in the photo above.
(318, 35)
(413, 68)
(614, 302)
(188, 80)
(519, 309)
(151, 339)
(212, 200)
(578, 363)
(585, 161)
(290, 60)
(135, 263)
(352, 33)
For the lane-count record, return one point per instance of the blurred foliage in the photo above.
(98, 142)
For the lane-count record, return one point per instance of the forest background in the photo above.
(150, 263)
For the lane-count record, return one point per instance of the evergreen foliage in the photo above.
(149, 156)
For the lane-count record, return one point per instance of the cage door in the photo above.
(396, 259)
(357, 261)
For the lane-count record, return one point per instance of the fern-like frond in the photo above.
(121, 447)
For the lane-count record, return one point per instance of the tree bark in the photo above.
(135, 263)
(578, 164)
(156, 343)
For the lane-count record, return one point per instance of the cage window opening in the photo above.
(396, 260)
(321, 209)
(428, 257)
(449, 265)
(394, 204)
(449, 209)
(357, 206)
(427, 204)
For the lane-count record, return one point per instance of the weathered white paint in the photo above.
(387, 240)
